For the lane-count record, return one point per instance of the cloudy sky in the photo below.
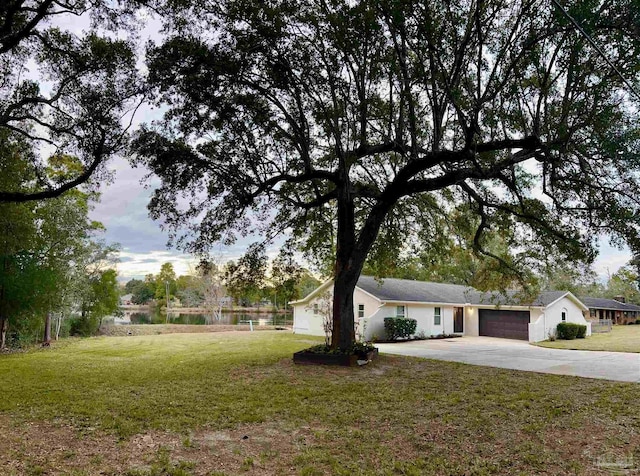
(123, 211)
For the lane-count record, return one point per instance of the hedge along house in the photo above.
(443, 309)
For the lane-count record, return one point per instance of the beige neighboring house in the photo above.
(442, 308)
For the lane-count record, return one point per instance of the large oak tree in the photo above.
(352, 123)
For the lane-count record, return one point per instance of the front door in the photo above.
(458, 320)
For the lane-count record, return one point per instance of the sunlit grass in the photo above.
(620, 339)
(130, 384)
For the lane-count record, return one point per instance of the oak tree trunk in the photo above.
(345, 275)
(343, 335)
(3, 332)
(47, 331)
(350, 257)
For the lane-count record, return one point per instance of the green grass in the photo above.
(187, 404)
(132, 384)
(620, 339)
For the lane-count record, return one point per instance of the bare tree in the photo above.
(213, 290)
(323, 306)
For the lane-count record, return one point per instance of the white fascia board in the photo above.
(323, 286)
(500, 306)
(371, 295)
(457, 304)
(313, 293)
(571, 296)
(424, 303)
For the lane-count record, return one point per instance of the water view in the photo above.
(227, 318)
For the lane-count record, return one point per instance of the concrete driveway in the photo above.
(520, 355)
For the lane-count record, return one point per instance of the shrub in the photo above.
(399, 327)
(84, 326)
(570, 330)
(638, 321)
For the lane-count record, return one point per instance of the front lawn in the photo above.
(620, 339)
(213, 404)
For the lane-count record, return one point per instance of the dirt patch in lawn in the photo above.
(56, 448)
(431, 445)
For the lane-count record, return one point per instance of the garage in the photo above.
(505, 324)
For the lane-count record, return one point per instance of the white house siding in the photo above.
(373, 326)
(544, 323)
(537, 331)
(306, 322)
(422, 313)
(471, 321)
(371, 306)
(535, 313)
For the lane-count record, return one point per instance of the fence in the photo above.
(275, 320)
(602, 325)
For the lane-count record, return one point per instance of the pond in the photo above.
(227, 318)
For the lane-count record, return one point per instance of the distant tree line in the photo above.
(249, 281)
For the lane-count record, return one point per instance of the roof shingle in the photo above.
(406, 290)
(609, 304)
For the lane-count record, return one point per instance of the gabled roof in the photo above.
(313, 293)
(609, 304)
(407, 290)
(512, 298)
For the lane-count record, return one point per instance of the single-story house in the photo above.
(444, 309)
(619, 311)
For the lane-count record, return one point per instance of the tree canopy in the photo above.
(245, 278)
(49, 252)
(78, 97)
(166, 281)
(358, 125)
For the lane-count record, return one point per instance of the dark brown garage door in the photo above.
(506, 324)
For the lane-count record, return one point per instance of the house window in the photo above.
(564, 316)
(360, 311)
(399, 311)
(315, 308)
(437, 320)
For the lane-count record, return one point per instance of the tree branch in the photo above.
(19, 197)
(9, 42)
